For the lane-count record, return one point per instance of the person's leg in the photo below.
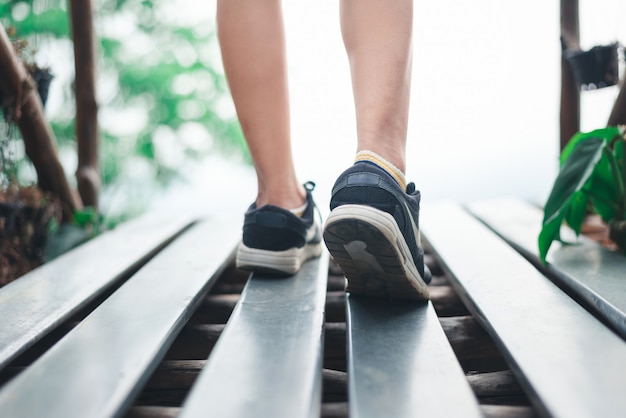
(377, 35)
(372, 231)
(252, 42)
(280, 230)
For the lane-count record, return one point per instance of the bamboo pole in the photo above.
(570, 93)
(24, 106)
(618, 113)
(87, 173)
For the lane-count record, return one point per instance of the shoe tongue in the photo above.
(410, 188)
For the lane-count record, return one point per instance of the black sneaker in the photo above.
(372, 232)
(277, 241)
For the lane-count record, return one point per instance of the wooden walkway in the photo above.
(153, 320)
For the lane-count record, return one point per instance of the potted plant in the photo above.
(591, 179)
(595, 68)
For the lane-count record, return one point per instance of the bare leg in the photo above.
(377, 35)
(362, 231)
(252, 41)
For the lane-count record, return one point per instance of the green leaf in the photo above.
(618, 152)
(602, 190)
(575, 172)
(607, 134)
(87, 217)
(549, 233)
(616, 159)
(577, 210)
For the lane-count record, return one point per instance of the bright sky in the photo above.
(485, 98)
(485, 102)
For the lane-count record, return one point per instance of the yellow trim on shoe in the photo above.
(299, 211)
(393, 171)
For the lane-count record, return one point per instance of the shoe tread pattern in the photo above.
(372, 264)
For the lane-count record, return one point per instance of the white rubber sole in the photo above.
(285, 262)
(369, 247)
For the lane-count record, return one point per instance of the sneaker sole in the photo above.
(285, 262)
(368, 246)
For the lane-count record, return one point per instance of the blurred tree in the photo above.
(23, 105)
(163, 101)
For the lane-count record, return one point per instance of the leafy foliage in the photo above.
(591, 177)
(163, 101)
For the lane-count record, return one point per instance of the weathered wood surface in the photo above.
(98, 368)
(172, 380)
(495, 384)
(268, 361)
(591, 273)
(400, 363)
(154, 412)
(215, 309)
(169, 385)
(467, 338)
(163, 392)
(40, 300)
(507, 411)
(335, 410)
(570, 364)
(195, 342)
(175, 374)
(444, 299)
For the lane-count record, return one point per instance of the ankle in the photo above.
(290, 199)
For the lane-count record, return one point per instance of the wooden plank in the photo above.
(334, 410)
(570, 364)
(495, 384)
(468, 339)
(268, 361)
(97, 369)
(590, 272)
(153, 412)
(507, 411)
(400, 363)
(172, 380)
(37, 302)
